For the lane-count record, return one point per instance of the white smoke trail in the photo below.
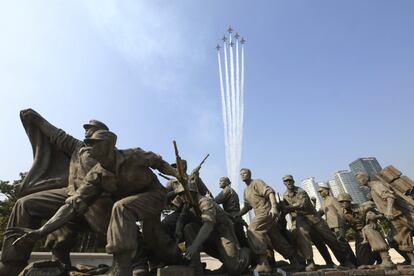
(232, 100)
(233, 115)
(223, 108)
(228, 108)
(238, 123)
(242, 98)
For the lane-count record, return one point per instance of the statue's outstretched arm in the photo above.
(63, 215)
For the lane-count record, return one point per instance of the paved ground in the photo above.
(214, 263)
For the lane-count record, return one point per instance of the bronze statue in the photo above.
(60, 164)
(139, 196)
(392, 204)
(299, 205)
(375, 239)
(354, 218)
(214, 234)
(231, 205)
(334, 217)
(261, 198)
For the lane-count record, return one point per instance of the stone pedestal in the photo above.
(43, 268)
(175, 270)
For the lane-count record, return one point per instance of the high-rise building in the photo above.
(336, 188)
(310, 186)
(368, 165)
(347, 180)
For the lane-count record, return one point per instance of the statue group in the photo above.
(90, 185)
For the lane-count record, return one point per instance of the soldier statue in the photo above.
(374, 238)
(213, 233)
(354, 218)
(334, 218)
(231, 205)
(396, 209)
(60, 165)
(138, 194)
(261, 198)
(299, 205)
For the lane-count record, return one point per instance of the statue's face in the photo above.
(223, 182)
(290, 184)
(324, 192)
(245, 175)
(345, 204)
(100, 149)
(362, 179)
(89, 131)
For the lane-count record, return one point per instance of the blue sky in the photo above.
(326, 82)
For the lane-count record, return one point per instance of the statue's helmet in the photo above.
(344, 197)
(95, 123)
(183, 163)
(288, 177)
(322, 186)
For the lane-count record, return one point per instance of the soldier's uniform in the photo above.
(30, 210)
(335, 220)
(402, 212)
(375, 239)
(333, 215)
(176, 202)
(138, 196)
(318, 242)
(308, 221)
(231, 205)
(354, 218)
(222, 242)
(263, 227)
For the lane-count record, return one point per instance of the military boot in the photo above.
(63, 256)
(263, 265)
(410, 255)
(121, 265)
(140, 271)
(348, 264)
(310, 265)
(11, 268)
(386, 260)
(295, 263)
(197, 266)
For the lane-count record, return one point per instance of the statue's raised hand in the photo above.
(30, 115)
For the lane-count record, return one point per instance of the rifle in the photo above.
(197, 169)
(281, 206)
(278, 198)
(182, 178)
(164, 176)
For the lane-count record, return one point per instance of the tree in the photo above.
(6, 204)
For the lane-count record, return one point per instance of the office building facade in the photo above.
(369, 165)
(311, 187)
(349, 184)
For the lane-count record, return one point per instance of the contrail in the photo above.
(232, 101)
(229, 121)
(242, 98)
(223, 107)
(233, 108)
(238, 125)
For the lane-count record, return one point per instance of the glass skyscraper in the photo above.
(347, 180)
(368, 165)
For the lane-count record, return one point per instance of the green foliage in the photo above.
(7, 191)
(384, 226)
(9, 198)
(350, 234)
